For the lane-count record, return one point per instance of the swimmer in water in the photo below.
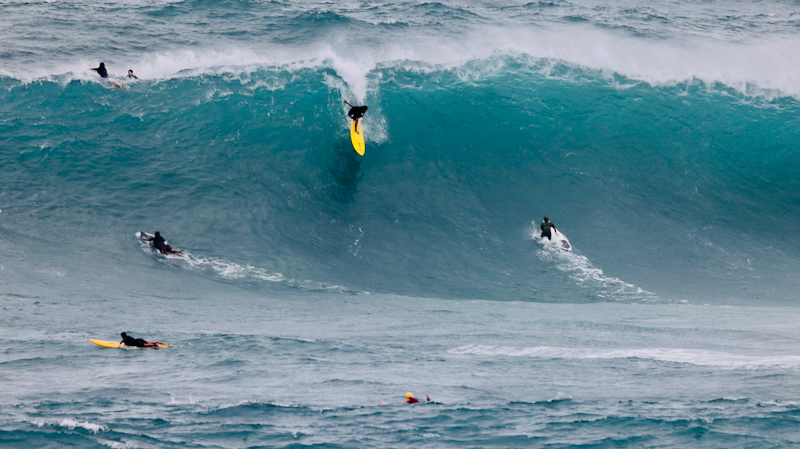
(410, 399)
(101, 70)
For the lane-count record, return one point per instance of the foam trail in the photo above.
(228, 269)
(586, 274)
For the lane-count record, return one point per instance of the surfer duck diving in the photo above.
(356, 135)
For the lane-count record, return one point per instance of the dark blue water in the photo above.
(662, 139)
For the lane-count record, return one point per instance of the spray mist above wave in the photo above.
(762, 69)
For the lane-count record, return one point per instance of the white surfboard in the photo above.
(560, 240)
(557, 240)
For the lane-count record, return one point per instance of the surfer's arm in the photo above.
(348, 103)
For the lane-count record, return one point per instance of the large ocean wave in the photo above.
(661, 140)
(689, 181)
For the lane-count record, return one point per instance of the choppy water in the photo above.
(661, 137)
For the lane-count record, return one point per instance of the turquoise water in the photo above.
(662, 139)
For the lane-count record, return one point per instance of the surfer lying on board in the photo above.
(546, 226)
(138, 342)
(160, 244)
(101, 70)
(356, 112)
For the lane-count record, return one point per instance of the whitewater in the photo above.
(319, 286)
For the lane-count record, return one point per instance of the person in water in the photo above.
(127, 340)
(131, 75)
(410, 399)
(101, 70)
(356, 112)
(160, 244)
(546, 226)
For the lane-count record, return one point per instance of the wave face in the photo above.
(652, 184)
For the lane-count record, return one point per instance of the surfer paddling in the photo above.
(127, 340)
(101, 70)
(160, 244)
(356, 112)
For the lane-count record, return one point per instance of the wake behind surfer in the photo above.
(546, 226)
(127, 340)
(356, 112)
(160, 244)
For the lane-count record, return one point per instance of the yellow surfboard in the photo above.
(357, 137)
(105, 344)
(116, 344)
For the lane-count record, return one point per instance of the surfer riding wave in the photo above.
(546, 226)
(356, 112)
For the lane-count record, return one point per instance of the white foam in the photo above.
(560, 397)
(228, 269)
(72, 424)
(430, 435)
(115, 444)
(173, 399)
(676, 355)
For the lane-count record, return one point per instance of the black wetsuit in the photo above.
(130, 341)
(546, 226)
(159, 243)
(133, 76)
(102, 72)
(356, 112)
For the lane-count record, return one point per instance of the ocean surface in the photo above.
(661, 137)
